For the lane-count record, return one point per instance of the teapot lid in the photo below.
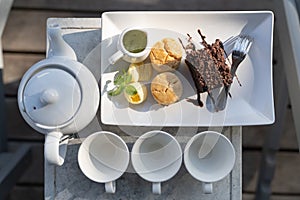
(51, 97)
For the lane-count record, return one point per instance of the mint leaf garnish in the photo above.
(120, 81)
(127, 78)
(130, 90)
(116, 91)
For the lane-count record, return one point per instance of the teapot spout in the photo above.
(57, 45)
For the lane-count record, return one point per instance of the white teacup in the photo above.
(132, 46)
(156, 156)
(215, 166)
(103, 157)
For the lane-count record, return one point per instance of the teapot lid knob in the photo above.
(49, 96)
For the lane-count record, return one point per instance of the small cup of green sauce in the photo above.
(135, 41)
(132, 46)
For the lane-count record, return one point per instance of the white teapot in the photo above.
(57, 96)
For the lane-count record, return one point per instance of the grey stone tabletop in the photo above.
(68, 182)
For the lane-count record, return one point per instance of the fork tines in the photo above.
(243, 44)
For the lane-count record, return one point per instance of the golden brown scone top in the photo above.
(173, 48)
(166, 55)
(158, 54)
(166, 88)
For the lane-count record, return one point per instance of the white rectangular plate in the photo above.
(251, 104)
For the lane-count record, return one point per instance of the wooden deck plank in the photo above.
(16, 65)
(32, 27)
(28, 34)
(96, 6)
(253, 136)
(12, 164)
(286, 178)
(17, 128)
(34, 174)
(26, 193)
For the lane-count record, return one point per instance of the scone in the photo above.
(166, 88)
(166, 55)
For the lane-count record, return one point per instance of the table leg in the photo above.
(272, 140)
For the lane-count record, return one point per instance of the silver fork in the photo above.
(240, 50)
(228, 46)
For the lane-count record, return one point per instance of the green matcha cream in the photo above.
(135, 41)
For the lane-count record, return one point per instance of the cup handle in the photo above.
(115, 57)
(207, 188)
(54, 151)
(110, 187)
(156, 188)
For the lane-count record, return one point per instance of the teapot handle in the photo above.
(54, 151)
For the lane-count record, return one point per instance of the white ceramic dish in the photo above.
(251, 104)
